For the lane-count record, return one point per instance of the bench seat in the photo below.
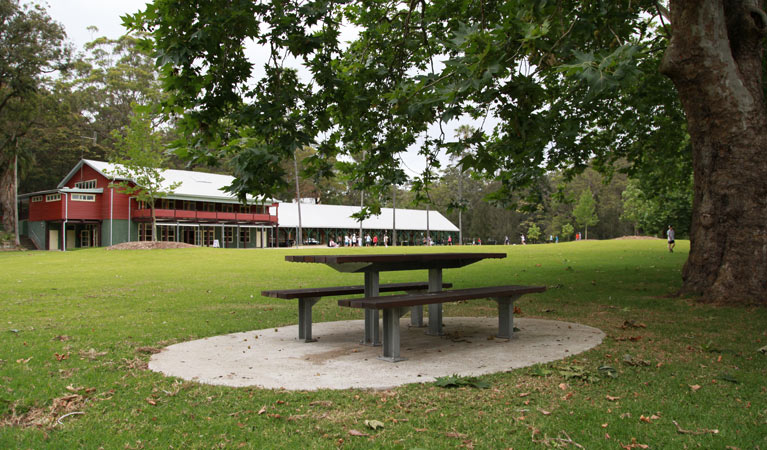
(395, 306)
(308, 297)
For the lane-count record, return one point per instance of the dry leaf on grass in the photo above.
(358, 433)
(91, 354)
(455, 434)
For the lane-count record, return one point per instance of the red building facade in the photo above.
(86, 210)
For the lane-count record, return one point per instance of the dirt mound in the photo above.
(636, 237)
(149, 245)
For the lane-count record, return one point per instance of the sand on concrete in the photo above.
(276, 359)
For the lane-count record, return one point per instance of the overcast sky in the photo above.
(78, 15)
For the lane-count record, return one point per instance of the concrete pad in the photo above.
(276, 359)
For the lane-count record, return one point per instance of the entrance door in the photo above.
(53, 239)
(71, 236)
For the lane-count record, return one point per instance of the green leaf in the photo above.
(454, 381)
(729, 378)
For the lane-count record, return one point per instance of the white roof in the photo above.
(194, 185)
(338, 216)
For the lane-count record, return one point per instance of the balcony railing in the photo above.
(203, 216)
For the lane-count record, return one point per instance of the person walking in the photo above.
(386, 240)
(450, 240)
(670, 236)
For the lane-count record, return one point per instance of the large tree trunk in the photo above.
(7, 197)
(715, 61)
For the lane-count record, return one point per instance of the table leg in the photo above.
(505, 316)
(416, 313)
(435, 309)
(372, 334)
(391, 343)
(305, 318)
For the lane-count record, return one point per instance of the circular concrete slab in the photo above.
(276, 359)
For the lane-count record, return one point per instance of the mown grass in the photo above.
(77, 329)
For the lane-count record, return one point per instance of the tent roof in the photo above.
(338, 216)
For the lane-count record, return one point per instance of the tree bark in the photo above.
(715, 60)
(7, 200)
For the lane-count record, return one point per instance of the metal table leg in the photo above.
(505, 316)
(391, 343)
(416, 312)
(305, 318)
(435, 309)
(372, 335)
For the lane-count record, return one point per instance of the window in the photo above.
(145, 232)
(227, 208)
(210, 207)
(166, 233)
(37, 198)
(83, 197)
(228, 234)
(167, 204)
(90, 184)
(190, 206)
(53, 197)
(244, 234)
(244, 208)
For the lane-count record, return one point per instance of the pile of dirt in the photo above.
(636, 237)
(149, 245)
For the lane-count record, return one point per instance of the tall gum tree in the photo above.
(715, 59)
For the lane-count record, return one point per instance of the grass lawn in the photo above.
(77, 330)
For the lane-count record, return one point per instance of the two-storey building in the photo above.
(87, 210)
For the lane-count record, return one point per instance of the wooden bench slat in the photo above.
(345, 290)
(394, 301)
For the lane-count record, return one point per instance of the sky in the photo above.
(77, 15)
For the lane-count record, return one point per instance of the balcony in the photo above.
(203, 216)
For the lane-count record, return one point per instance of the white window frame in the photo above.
(83, 197)
(53, 198)
(87, 184)
(37, 198)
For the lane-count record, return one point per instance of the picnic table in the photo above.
(373, 264)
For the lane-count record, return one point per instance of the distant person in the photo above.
(367, 240)
(670, 236)
(506, 241)
(375, 241)
(522, 238)
(386, 240)
(479, 241)
(556, 239)
(450, 240)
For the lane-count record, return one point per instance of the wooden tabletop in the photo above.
(392, 262)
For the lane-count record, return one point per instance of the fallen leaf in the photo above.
(321, 403)
(524, 394)
(358, 433)
(421, 430)
(611, 398)
(544, 412)
(262, 410)
(24, 361)
(151, 402)
(454, 434)
(604, 425)
(694, 387)
(563, 386)
(645, 419)
(61, 357)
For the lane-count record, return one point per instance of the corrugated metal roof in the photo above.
(194, 185)
(338, 216)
